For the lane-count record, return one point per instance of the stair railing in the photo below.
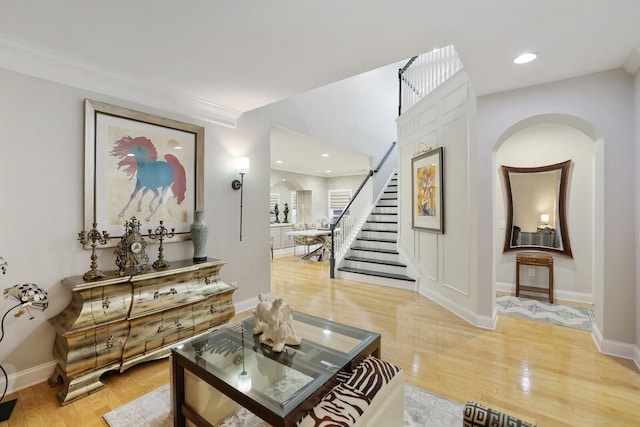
(346, 227)
(422, 74)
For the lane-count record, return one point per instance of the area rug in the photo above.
(153, 410)
(556, 314)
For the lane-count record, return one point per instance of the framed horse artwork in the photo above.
(142, 165)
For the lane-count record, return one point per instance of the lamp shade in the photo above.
(242, 165)
(544, 218)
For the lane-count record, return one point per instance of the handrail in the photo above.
(335, 225)
(384, 159)
(401, 71)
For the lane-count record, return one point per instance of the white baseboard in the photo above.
(615, 348)
(28, 377)
(484, 322)
(558, 293)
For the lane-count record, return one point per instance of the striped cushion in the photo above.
(341, 407)
(476, 415)
(371, 375)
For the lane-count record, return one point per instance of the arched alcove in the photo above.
(544, 140)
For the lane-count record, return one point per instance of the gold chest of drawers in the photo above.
(117, 322)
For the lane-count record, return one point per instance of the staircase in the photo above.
(373, 256)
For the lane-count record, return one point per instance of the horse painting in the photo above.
(138, 156)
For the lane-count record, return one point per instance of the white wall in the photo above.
(42, 170)
(358, 113)
(604, 100)
(540, 145)
(447, 262)
(636, 92)
(319, 187)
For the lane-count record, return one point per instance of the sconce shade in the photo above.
(544, 218)
(242, 165)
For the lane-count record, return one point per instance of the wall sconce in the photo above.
(242, 167)
(544, 218)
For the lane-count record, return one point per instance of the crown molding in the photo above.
(632, 63)
(27, 58)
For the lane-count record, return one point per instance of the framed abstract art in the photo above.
(427, 191)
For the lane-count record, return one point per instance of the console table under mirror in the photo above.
(536, 202)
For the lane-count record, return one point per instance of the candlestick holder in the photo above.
(93, 237)
(161, 233)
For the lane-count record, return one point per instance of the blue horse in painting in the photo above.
(139, 157)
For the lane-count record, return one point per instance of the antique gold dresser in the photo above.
(115, 322)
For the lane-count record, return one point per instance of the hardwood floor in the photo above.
(547, 374)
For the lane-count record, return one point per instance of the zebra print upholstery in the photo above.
(364, 390)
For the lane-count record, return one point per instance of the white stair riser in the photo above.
(375, 267)
(386, 203)
(379, 235)
(381, 226)
(374, 255)
(374, 217)
(384, 209)
(375, 245)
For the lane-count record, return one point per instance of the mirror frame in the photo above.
(562, 207)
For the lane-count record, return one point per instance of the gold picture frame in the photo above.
(142, 165)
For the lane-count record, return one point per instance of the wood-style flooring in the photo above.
(550, 375)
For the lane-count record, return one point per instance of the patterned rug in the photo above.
(556, 314)
(422, 409)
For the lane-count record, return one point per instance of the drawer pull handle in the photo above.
(160, 329)
(111, 342)
(207, 281)
(178, 323)
(105, 304)
(159, 294)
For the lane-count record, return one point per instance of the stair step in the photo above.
(377, 273)
(382, 222)
(368, 239)
(384, 213)
(386, 206)
(373, 230)
(375, 261)
(382, 251)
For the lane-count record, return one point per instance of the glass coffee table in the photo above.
(283, 387)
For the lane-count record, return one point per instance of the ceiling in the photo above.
(243, 55)
(236, 56)
(296, 152)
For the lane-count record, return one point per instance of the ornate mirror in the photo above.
(536, 200)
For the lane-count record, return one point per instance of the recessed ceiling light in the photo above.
(278, 161)
(328, 171)
(524, 58)
(325, 155)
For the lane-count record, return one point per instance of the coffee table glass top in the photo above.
(279, 381)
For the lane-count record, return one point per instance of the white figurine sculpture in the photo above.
(274, 320)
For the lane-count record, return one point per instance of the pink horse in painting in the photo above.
(139, 157)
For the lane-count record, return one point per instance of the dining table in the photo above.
(316, 236)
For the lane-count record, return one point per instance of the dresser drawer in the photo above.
(109, 342)
(110, 303)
